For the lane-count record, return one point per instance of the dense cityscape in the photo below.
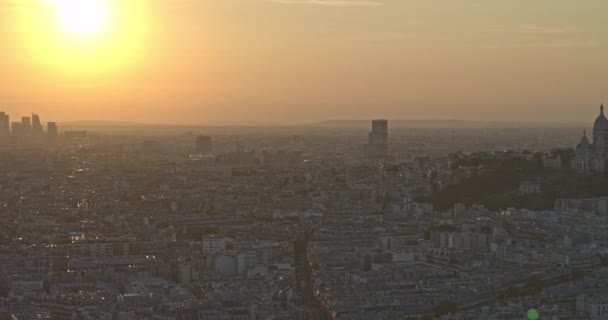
(325, 222)
(303, 160)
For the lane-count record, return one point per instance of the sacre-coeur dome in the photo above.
(601, 123)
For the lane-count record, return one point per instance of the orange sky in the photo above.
(198, 61)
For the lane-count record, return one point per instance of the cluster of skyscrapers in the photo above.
(28, 126)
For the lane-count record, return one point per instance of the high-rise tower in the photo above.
(26, 125)
(5, 125)
(379, 134)
(36, 124)
(377, 144)
(51, 129)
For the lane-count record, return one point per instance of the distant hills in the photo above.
(420, 124)
(94, 123)
(454, 124)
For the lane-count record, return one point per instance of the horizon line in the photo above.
(318, 122)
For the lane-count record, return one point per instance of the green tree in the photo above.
(535, 285)
(446, 307)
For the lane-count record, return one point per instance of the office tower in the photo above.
(36, 125)
(377, 143)
(51, 128)
(17, 128)
(5, 125)
(379, 134)
(204, 144)
(26, 125)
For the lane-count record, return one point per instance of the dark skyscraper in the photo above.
(17, 128)
(379, 134)
(51, 129)
(36, 124)
(26, 125)
(204, 144)
(377, 144)
(4, 124)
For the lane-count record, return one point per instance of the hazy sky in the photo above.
(197, 61)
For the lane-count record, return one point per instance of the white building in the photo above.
(213, 245)
(553, 161)
(596, 307)
(529, 187)
(592, 156)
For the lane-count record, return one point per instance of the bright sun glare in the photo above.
(74, 37)
(82, 16)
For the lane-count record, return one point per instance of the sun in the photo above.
(85, 38)
(82, 16)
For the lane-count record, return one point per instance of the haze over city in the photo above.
(303, 160)
(295, 61)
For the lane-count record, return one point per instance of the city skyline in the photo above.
(26, 126)
(304, 223)
(303, 160)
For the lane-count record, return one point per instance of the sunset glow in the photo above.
(317, 59)
(82, 16)
(83, 38)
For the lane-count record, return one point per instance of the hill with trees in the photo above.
(495, 184)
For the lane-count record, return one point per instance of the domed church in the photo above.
(593, 156)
